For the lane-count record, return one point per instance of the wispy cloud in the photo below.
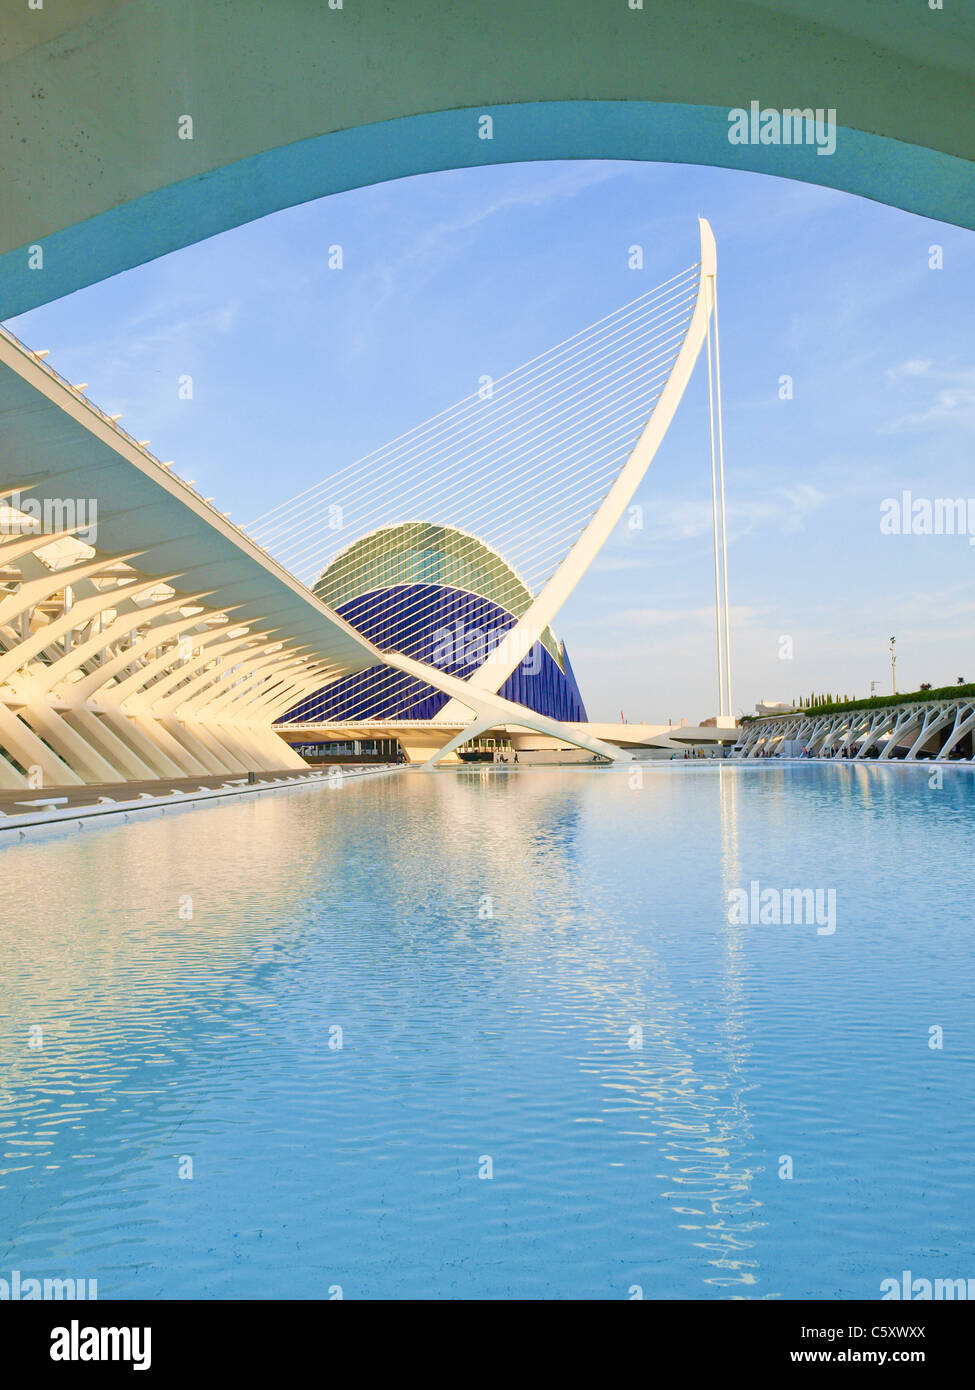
(784, 510)
(426, 254)
(916, 366)
(953, 405)
(188, 333)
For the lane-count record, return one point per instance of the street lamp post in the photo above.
(893, 666)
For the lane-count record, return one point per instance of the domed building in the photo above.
(443, 597)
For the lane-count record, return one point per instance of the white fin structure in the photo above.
(518, 642)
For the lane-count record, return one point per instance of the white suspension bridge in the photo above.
(536, 468)
(166, 643)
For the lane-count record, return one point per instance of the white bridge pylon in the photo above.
(536, 470)
(517, 643)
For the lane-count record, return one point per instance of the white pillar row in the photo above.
(96, 685)
(239, 679)
(158, 677)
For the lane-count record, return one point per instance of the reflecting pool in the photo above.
(497, 1033)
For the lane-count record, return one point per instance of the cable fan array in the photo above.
(517, 468)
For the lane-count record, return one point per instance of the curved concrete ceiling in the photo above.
(295, 100)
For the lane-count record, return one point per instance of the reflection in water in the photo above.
(336, 1002)
(692, 1099)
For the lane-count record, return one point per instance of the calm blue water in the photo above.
(469, 1037)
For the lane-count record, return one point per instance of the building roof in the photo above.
(422, 552)
(59, 445)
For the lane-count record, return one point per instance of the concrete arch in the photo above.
(293, 101)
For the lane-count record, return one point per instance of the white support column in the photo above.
(964, 723)
(75, 750)
(118, 750)
(30, 751)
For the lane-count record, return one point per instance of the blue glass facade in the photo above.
(459, 630)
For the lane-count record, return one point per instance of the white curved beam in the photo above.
(245, 683)
(272, 689)
(519, 640)
(171, 670)
(81, 612)
(123, 625)
(485, 705)
(184, 692)
(35, 591)
(158, 636)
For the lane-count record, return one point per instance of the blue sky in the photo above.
(299, 369)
